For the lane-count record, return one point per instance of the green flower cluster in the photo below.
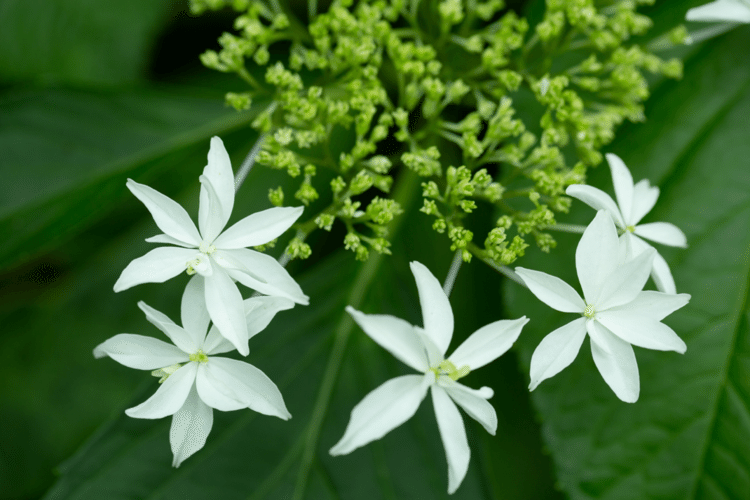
(362, 92)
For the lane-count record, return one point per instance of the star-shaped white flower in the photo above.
(396, 401)
(633, 203)
(615, 313)
(731, 11)
(193, 380)
(219, 257)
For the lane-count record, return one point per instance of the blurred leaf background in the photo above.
(93, 92)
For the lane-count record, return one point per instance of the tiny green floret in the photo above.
(199, 357)
(589, 312)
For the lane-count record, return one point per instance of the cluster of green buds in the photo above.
(361, 93)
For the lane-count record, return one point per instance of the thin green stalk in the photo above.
(404, 194)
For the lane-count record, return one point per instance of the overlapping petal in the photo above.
(215, 343)
(556, 351)
(176, 334)
(437, 313)
(552, 291)
(660, 269)
(596, 255)
(488, 343)
(653, 305)
(261, 272)
(157, 266)
(170, 396)
(475, 404)
(169, 216)
(139, 352)
(625, 282)
(453, 435)
(165, 238)
(211, 216)
(395, 336)
(662, 232)
(190, 427)
(213, 391)
(224, 303)
(217, 191)
(382, 410)
(193, 311)
(259, 311)
(642, 331)
(258, 228)
(248, 385)
(598, 200)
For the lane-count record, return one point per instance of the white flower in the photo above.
(395, 401)
(219, 258)
(615, 313)
(732, 11)
(633, 203)
(193, 380)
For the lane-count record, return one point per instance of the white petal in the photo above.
(623, 182)
(617, 365)
(259, 311)
(662, 232)
(644, 199)
(488, 343)
(157, 266)
(625, 282)
(259, 228)
(219, 172)
(211, 216)
(165, 238)
(437, 314)
(169, 216)
(453, 435)
(139, 352)
(434, 356)
(597, 255)
(176, 334)
(245, 383)
(596, 199)
(474, 405)
(213, 391)
(193, 310)
(642, 331)
(224, 304)
(556, 351)
(720, 10)
(552, 291)
(190, 427)
(382, 410)
(169, 397)
(261, 272)
(653, 305)
(395, 336)
(215, 343)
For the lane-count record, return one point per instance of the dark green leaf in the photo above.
(687, 435)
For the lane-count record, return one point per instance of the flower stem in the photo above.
(505, 271)
(567, 228)
(453, 272)
(247, 165)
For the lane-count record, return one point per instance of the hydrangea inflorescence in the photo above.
(368, 90)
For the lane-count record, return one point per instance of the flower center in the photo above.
(199, 357)
(447, 368)
(589, 312)
(206, 248)
(165, 372)
(630, 228)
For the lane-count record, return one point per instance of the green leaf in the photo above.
(687, 435)
(67, 154)
(323, 365)
(81, 42)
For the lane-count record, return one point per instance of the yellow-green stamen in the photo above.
(589, 312)
(199, 357)
(448, 368)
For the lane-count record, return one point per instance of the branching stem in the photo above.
(453, 272)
